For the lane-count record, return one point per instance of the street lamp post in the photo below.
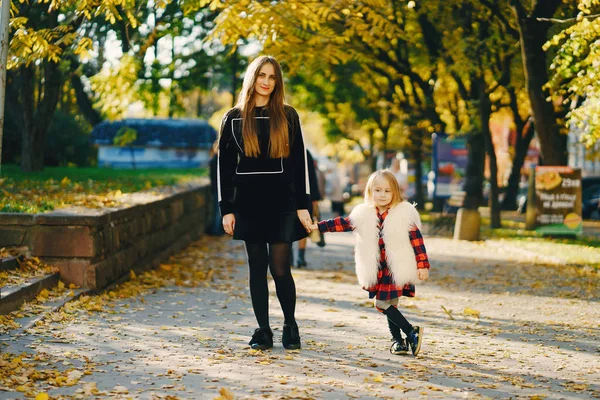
(4, 20)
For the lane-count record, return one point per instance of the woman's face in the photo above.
(265, 81)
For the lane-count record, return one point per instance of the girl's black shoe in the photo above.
(399, 347)
(291, 337)
(414, 339)
(262, 339)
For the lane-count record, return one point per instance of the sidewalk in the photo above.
(510, 329)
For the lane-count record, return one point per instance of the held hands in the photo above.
(423, 274)
(305, 219)
(229, 223)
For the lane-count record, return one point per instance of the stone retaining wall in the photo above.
(94, 248)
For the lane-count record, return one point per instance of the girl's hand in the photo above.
(305, 219)
(314, 227)
(229, 223)
(423, 274)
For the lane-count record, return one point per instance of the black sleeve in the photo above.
(313, 180)
(299, 163)
(226, 165)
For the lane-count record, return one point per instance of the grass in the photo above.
(577, 251)
(91, 187)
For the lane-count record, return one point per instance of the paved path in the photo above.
(190, 341)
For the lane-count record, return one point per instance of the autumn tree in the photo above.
(383, 37)
(575, 70)
(43, 35)
(533, 23)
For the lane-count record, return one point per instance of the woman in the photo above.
(264, 193)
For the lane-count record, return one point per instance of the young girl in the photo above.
(390, 255)
(263, 191)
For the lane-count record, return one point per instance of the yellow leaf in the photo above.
(224, 395)
(472, 312)
(166, 267)
(378, 378)
(42, 396)
(448, 312)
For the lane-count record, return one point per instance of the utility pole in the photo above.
(4, 20)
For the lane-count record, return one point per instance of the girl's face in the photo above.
(382, 192)
(265, 81)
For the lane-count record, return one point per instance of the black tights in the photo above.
(397, 322)
(277, 259)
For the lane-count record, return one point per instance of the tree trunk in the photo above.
(522, 145)
(485, 112)
(473, 185)
(533, 34)
(37, 115)
(234, 77)
(372, 160)
(417, 157)
(199, 104)
(172, 89)
(4, 43)
(83, 101)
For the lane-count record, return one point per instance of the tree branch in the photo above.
(568, 20)
(496, 12)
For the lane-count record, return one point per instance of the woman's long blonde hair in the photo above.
(278, 140)
(389, 176)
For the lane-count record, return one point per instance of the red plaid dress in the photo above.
(385, 289)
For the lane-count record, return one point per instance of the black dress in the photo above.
(263, 193)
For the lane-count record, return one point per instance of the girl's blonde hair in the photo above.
(278, 125)
(393, 182)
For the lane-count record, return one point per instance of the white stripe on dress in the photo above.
(307, 182)
(219, 173)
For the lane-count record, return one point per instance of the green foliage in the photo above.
(125, 136)
(115, 87)
(575, 71)
(32, 42)
(68, 141)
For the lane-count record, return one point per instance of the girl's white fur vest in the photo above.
(399, 253)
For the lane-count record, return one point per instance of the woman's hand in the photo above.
(229, 223)
(305, 219)
(423, 274)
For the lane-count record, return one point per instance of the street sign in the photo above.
(449, 161)
(558, 200)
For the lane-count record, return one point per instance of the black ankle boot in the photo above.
(262, 339)
(291, 337)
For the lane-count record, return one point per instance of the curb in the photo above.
(9, 263)
(13, 297)
(54, 306)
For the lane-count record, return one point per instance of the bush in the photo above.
(68, 142)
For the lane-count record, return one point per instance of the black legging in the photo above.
(277, 258)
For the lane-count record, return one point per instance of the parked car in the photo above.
(590, 199)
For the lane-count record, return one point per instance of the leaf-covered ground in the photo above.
(28, 269)
(87, 187)
(499, 323)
